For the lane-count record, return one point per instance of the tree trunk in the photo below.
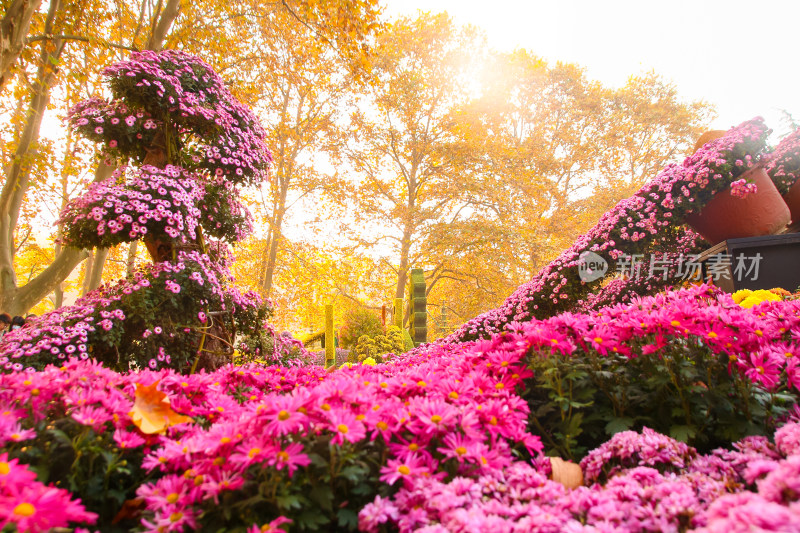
(18, 181)
(402, 272)
(13, 33)
(96, 277)
(165, 20)
(58, 293)
(262, 267)
(101, 173)
(39, 287)
(87, 274)
(131, 261)
(272, 255)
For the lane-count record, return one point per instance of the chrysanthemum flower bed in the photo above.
(440, 438)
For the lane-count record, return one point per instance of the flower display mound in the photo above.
(197, 143)
(181, 96)
(152, 320)
(441, 438)
(691, 363)
(649, 224)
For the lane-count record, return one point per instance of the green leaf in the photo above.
(311, 519)
(619, 424)
(323, 496)
(362, 489)
(574, 426)
(353, 473)
(318, 460)
(60, 436)
(682, 433)
(347, 518)
(288, 501)
(119, 495)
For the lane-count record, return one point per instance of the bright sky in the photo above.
(740, 56)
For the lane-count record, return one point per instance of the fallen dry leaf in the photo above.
(151, 411)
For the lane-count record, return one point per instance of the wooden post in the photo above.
(398, 312)
(383, 316)
(330, 342)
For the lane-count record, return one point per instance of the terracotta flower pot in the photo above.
(792, 199)
(727, 217)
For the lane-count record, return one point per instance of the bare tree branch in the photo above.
(81, 38)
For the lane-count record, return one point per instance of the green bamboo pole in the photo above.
(398, 312)
(330, 347)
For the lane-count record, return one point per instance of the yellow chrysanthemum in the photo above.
(369, 361)
(750, 301)
(738, 296)
(767, 296)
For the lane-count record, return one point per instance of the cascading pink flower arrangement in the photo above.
(651, 222)
(783, 164)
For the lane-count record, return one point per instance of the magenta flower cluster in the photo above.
(629, 449)
(741, 188)
(783, 164)
(123, 130)
(160, 202)
(223, 215)
(649, 221)
(33, 506)
(762, 344)
(184, 88)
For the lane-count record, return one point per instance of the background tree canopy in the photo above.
(397, 144)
